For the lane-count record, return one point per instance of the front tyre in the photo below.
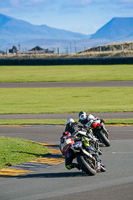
(103, 138)
(87, 165)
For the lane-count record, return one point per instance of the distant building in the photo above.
(49, 51)
(38, 49)
(13, 50)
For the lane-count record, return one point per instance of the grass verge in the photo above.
(57, 121)
(14, 151)
(58, 73)
(65, 100)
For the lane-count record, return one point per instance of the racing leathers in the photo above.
(73, 127)
(89, 118)
(67, 152)
(87, 122)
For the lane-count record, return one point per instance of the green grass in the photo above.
(56, 121)
(65, 100)
(14, 151)
(119, 121)
(66, 73)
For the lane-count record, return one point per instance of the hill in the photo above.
(124, 49)
(13, 31)
(24, 35)
(116, 29)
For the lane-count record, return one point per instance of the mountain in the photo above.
(14, 30)
(117, 29)
(26, 35)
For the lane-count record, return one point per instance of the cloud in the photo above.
(23, 2)
(14, 2)
(74, 5)
(4, 10)
(32, 3)
(79, 5)
(62, 6)
(23, 6)
(126, 2)
(47, 2)
(77, 2)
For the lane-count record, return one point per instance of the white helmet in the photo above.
(69, 120)
(82, 115)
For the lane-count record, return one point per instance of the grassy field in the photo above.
(65, 100)
(66, 73)
(14, 151)
(57, 121)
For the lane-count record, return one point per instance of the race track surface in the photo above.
(112, 115)
(68, 84)
(56, 182)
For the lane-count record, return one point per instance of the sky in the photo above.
(82, 16)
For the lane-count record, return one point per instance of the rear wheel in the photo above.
(86, 164)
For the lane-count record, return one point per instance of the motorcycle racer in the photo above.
(67, 141)
(66, 151)
(89, 119)
(72, 127)
(97, 125)
(84, 118)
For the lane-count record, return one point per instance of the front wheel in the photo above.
(103, 138)
(86, 164)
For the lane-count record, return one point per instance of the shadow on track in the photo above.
(52, 175)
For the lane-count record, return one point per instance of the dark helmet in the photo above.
(82, 115)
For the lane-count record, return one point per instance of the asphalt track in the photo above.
(67, 84)
(113, 115)
(54, 182)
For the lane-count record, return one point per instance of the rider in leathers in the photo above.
(86, 120)
(71, 128)
(69, 156)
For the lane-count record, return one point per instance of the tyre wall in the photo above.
(68, 61)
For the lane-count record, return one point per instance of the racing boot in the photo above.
(98, 166)
(103, 168)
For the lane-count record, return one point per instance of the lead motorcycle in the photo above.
(99, 130)
(87, 158)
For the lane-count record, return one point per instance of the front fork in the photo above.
(106, 132)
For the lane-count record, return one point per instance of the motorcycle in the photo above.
(89, 134)
(99, 130)
(86, 157)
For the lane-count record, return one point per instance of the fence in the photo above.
(67, 61)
